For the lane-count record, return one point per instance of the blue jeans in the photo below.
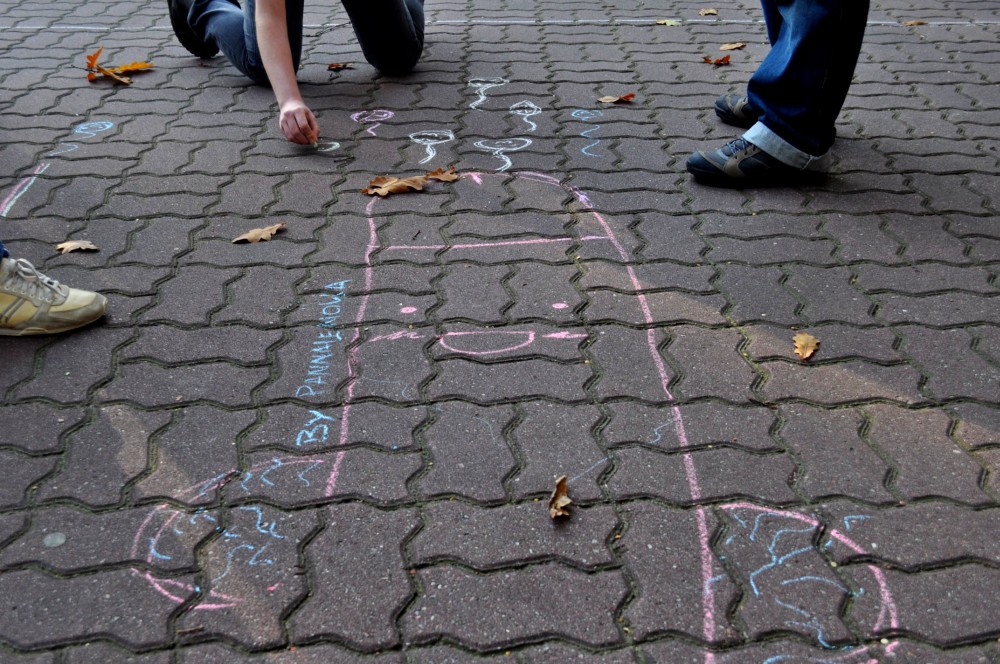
(3, 252)
(801, 85)
(390, 32)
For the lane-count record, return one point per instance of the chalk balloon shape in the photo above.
(526, 109)
(429, 139)
(500, 147)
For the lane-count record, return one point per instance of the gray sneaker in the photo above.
(740, 163)
(736, 110)
(31, 303)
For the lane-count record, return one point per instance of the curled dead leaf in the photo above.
(560, 499)
(384, 185)
(668, 21)
(624, 99)
(337, 66)
(709, 12)
(132, 67)
(718, 62)
(259, 234)
(732, 46)
(911, 24)
(442, 175)
(92, 58)
(805, 345)
(76, 245)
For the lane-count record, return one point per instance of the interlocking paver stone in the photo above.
(338, 445)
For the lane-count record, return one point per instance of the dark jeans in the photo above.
(3, 252)
(801, 85)
(390, 32)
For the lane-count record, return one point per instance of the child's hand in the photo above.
(298, 123)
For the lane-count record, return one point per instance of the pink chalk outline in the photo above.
(21, 189)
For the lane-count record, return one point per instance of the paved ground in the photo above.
(337, 446)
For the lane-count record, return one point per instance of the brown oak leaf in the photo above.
(624, 99)
(442, 175)
(732, 46)
(560, 499)
(805, 345)
(76, 245)
(384, 185)
(259, 234)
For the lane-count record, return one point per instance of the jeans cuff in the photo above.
(785, 152)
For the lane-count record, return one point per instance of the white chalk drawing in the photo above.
(374, 117)
(482, 85)
(500, 147)
(526, 109)
(429, 139)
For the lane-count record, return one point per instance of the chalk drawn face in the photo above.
(526, 109)
(502, 146)
(374, 117)
(482, 85)
(587, 115)
(91, 129)
(429, 139)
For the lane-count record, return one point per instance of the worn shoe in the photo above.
(736, 110)
(189, 39)
(31, 303)
(740, 163)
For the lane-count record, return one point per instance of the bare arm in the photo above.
(297, 122)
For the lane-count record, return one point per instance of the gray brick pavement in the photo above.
(337, 446)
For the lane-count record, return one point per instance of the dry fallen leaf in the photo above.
(668, 21)
(259, 234)
(337, 66)
(732, 46)
(76, 245)
(805, 345)
(624, 99)
(910, 24)
(442, 175)
(709, 12)
(559, 500)
(718, 62)
(384, 185)
(114, 73)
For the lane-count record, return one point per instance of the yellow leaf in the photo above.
(76, 245)
(560, 499)
(805, 345)
(92, 58)
(624, 99)
(110, 74)
(709, 12)
(131, 67)
(259, 234)
(386, 184)
(442, 175)
(732, 46)
(668, 21)
(910, 24)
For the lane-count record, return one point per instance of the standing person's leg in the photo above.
(209, 26)
(798, 91)
(390, 32)
(801, 85)
(3, 252)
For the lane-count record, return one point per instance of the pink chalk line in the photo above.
(21, 188)
(694, 486)
(480, 245)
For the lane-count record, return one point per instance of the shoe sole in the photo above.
(731, 118)
(715, 178)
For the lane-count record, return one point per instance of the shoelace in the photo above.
(24, 278)
(740, 145)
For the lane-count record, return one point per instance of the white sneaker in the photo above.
(31, 303)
